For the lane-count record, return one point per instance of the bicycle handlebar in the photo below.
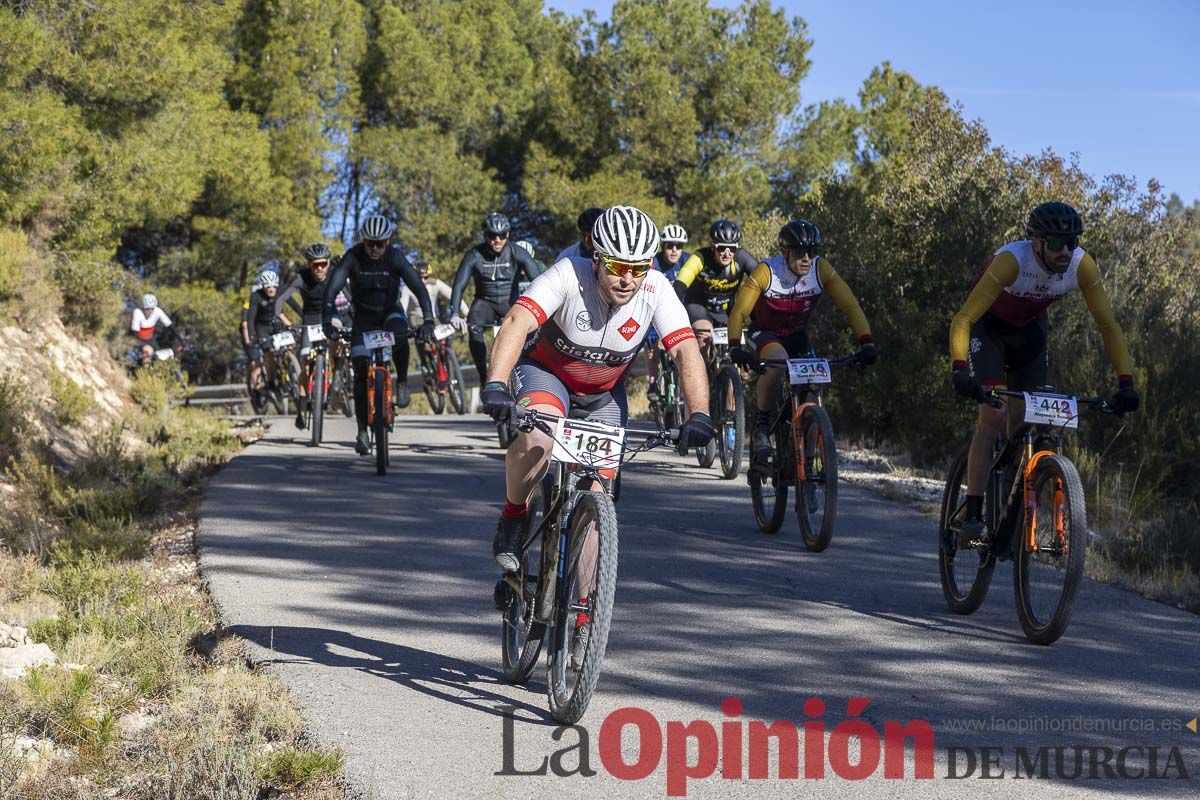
(992, 397)
(844, 361)
(527, 419)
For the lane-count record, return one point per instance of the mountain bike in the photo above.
(668, 407)
(317, 382)
(380, 410)
(565, 586)
(284, 388)
(727, 401)
(341, 386)
(441, 372)
(803, 453)
(1039, 520)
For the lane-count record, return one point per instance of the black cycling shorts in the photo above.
(483, 314)
(1009, 355)
(698, 313)
(796, 344)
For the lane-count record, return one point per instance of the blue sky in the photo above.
(1116, 82)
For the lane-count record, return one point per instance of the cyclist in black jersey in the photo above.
(494, 265)
(375, 268)
(262, 320)
(710, 277)
(309, 284)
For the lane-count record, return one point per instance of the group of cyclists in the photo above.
(569, 334)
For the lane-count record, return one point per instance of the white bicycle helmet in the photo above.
(527, 247)
(376, 228)
(625, 233)
(149, 301)
(674, 233)
(268, 279)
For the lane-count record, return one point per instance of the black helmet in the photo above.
(800, 233)
(496, 223)
(1054, 219)
(588, 218)
(317, 251)
(725, 231)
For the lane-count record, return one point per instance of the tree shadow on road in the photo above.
(442, 677)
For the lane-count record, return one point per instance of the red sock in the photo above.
(583, 617)
(512, 510)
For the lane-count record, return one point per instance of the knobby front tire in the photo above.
(380, 423)
(437, 400)
(458, 387)
(966, 573)
(816, 495)
(1046, 581)
(730, 420)
(769, 483)
(520, 634)
(570, 690)
(316, 400)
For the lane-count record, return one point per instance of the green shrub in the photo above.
(291, 769)
(210, 320)
(92, 296)
(14, 415)
(72, 402)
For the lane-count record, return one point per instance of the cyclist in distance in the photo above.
(494, 266)
(710, 277)
(374, 269)
(145, 328)
(778, 298)
(438, 290)
(262, 320)
(309, 283)
(998, 337)
(583, 248)
(528, 248)
(593, 318)
(670, 258)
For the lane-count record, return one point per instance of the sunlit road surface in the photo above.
(371, 598)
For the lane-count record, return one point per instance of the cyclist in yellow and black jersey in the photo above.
(778, 298)
(708, 280)
(998, 337)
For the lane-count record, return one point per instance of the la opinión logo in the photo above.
(741, 748)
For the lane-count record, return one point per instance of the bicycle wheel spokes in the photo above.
(966, 572)
(578, 642)
(1046, 571)
(816, 500)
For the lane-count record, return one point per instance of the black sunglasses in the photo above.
(494, 236)
(1056, 243)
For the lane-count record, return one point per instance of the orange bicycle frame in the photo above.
(1060, 521)
(387, 393)
(798, 441)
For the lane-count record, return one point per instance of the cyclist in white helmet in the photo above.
(593, 316)
(670, 258)
(262, 320)
(145, 328)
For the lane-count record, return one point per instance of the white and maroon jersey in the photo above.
(1035, 289)
(143, 325)
(787, 301)
(587, 344)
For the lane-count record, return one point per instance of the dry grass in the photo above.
(147, 699)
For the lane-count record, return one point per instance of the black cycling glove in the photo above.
(497, 400)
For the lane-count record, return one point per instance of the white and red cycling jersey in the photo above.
(587, 343)
(143, 325)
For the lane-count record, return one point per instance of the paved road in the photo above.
(372, 599)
